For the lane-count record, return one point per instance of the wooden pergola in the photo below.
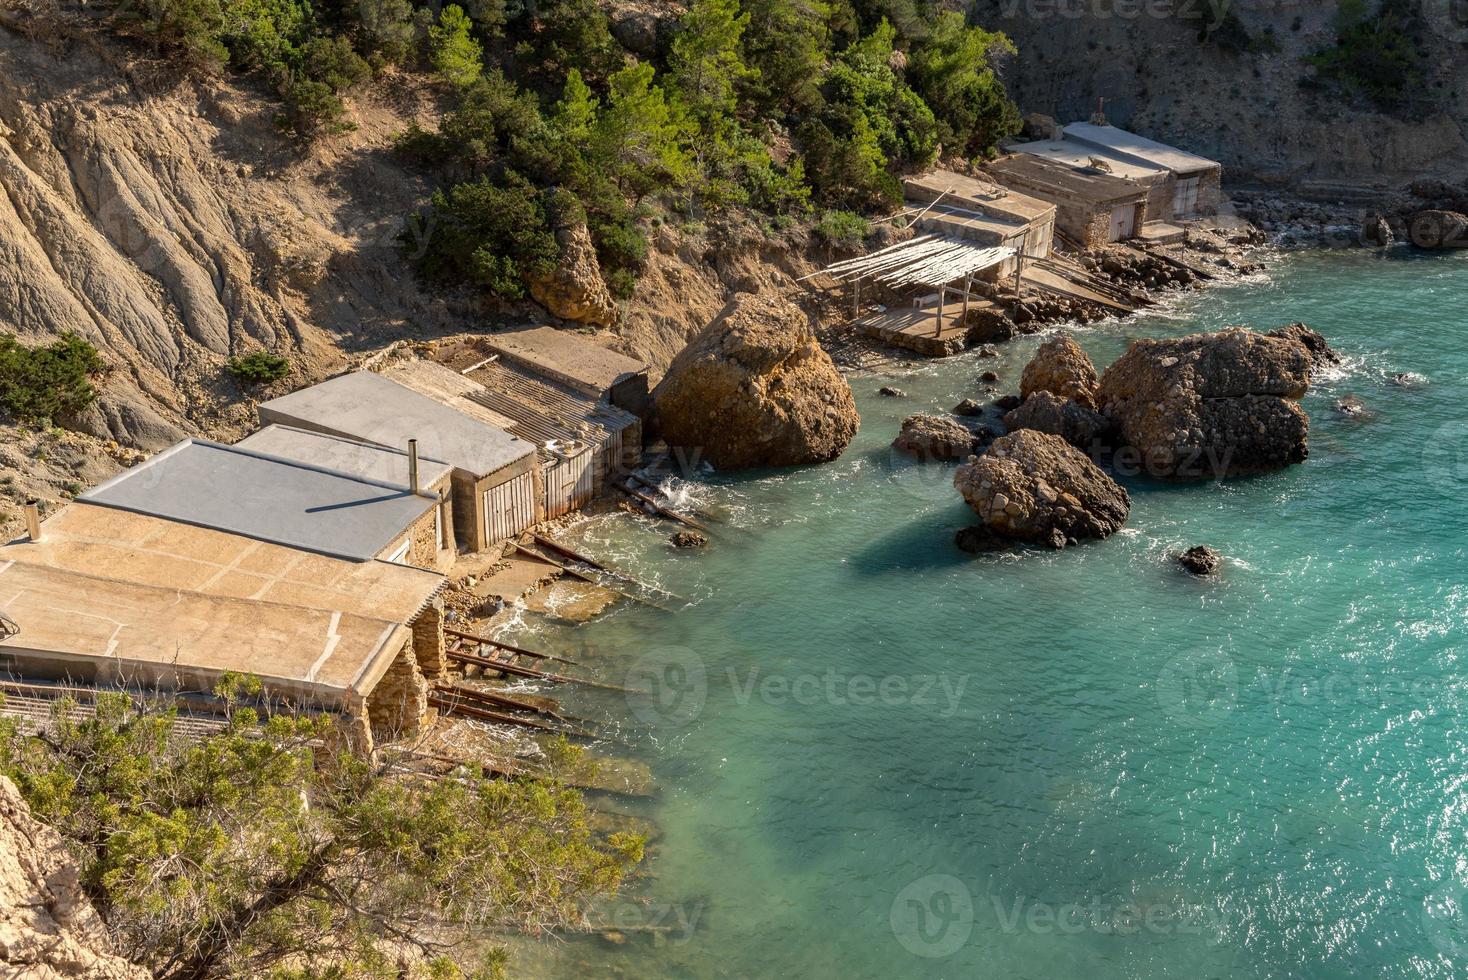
(929, 261)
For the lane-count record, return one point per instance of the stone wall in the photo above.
(428, 643)
(423, 540)
(399, 702)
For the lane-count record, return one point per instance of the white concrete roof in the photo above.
(269, 498)
(371, 408)
(1074, 153)
(1140, 147)
(380, 463)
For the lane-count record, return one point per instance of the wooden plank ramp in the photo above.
(491, 655)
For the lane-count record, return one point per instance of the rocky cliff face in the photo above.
(48, 929)
(1245, 109)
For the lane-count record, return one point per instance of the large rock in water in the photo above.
(1063, 369)
(1322, 355)
(933, 437)
(756, 389)
(1082, 427)
(1031, 486)
(48, 928)
(575, 290)
(1209, 406)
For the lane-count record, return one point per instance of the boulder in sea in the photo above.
(1210, 405)
(1376, 232)
(1031, 486)
(1082, 427)
(988, 326)
(1352, 405)
(688, 539)
(969, 407)
(1200, 560)
(988, 350)
(756, 389)
(1007, 403)
(887, 391)
(1321, 353)
(1063, 369)
(1408, 379)
(933, 437)
(989, 377)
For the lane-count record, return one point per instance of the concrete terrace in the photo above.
(153, 551)
(268, 498)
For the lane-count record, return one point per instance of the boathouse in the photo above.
(581, 441)
(1198, 181)
(106, 598)
(380, 464)
(983, 211)
(1093, 207)
(575, 363)
(281, 501)
(1084, 158)
(495, 476)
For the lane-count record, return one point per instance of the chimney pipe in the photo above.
(33, 519)
(413, 466)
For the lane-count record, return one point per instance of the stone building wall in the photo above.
(398, 704)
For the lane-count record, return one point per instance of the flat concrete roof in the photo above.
(1074, 153)
(130, 547)
(100, 629)
(1140, 147)
(990, 197)
(564, 356)
(1064, 181)
(371, 408)
(270, 498)
(380, 463)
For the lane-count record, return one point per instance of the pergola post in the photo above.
(856, 297)
(938, 330)
(967, 287)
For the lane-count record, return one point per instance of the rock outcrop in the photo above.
(1438, 230)
(576, 289)
(755, 388)
(933, 437)
(1035, 487)
(1210, 405)
(1082, 427)
(48, 928)
(1321, 354)
(1200, 560)
(1063, 369)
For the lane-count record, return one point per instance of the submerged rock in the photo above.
(989, 377)
(1063, 369)
(688, 539)
(1408, 379)
(933, 437)
(1200, 560)
(1351, 405)
(1007, 403)
(1078, 425)
(1035, 487)
(988, 350)
(887, 391)
(755, 388)
(969, 407)
(1210, 405)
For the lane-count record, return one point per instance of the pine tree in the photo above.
(705, 62)
(455, 54)
(575, 114)
(641, 135)
(786, 42)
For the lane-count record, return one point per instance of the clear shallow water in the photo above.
(880, 757)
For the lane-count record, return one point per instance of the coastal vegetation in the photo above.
(39, 383)
(260, 367)
(1377, 56)
(259, 851)
(770, 110)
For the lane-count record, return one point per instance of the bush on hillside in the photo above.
(40, 384)
(261, 367)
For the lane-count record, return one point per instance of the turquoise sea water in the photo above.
(880, 757)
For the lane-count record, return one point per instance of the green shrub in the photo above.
(1375, 56)
(261, 367)
(842, 229)
(495, 234)
(39, 384)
